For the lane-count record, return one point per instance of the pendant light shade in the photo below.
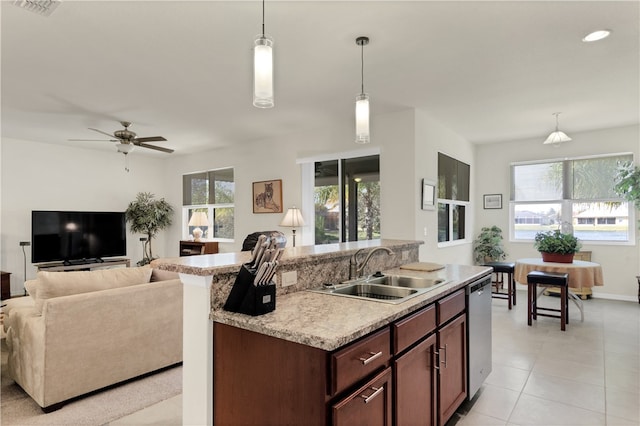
(263, 72)
(362, 118)
(263, 69)
(557, 136)
(362, 101)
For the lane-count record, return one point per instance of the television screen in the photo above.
(72, 236)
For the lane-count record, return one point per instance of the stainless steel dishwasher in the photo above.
(478, 333)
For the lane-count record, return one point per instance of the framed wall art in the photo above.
(492, 201)
(428, 195)
(267, 196)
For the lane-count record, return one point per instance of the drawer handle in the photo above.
(373, 356)
(377, 391)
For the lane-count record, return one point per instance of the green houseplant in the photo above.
(148, 215)
(487, 246)
(555, 246)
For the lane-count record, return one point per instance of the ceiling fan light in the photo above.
(125, 148)
(557, 137)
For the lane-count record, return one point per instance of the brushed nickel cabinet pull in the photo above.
(445, 354)
(373, 356)
(376, 392)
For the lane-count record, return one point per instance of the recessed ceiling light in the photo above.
(596, 35)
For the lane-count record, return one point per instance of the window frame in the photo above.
(465, 191)
(211, 208)
(566, 203)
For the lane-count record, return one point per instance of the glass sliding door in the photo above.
(347, 199)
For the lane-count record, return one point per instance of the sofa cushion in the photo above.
(56, 284)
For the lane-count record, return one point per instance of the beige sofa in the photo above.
(77, 332)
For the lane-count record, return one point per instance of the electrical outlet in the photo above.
(425, 231)
(289, 278)
(405, 255)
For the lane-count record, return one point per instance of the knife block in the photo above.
(249, 299)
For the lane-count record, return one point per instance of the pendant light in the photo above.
(557, 136)
(362, 101)
(263, 69)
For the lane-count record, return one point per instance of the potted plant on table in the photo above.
(148, 216)
(487, 247)
(555, 246)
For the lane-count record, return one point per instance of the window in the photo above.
(575, 195)
(212, 193)
(453, 198)
(347, 199)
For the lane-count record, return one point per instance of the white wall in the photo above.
(276, 159)
(41, 176)
(620, 263)
(432, 137)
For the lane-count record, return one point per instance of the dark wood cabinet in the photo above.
(370, 405)
(195, 248)
(415, 384)
(5, 285)
(412, 372)
(452, 381)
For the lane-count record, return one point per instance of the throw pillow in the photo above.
(32, 288)
(56, 284)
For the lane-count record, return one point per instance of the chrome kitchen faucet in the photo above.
(355, 269)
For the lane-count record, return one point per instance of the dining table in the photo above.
(583, 275)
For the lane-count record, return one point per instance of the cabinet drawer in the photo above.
(356, 361)
(409, 330)
(369, 405)
(450, 306)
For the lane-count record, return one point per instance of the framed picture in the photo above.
(267, 196)
(492, 201)
(428, 195)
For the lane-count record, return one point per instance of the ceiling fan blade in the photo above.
(100, 131)
(157, 148)
(92, 140)
(151, 139)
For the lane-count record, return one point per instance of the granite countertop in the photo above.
(220, 263)
(328, 322)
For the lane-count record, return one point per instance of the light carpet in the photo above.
(99, 408)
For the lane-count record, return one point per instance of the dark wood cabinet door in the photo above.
(415, 387)
(452, 346)
(368, 406)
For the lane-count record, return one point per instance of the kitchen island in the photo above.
(320, 323)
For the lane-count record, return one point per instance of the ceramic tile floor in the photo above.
(586, 375)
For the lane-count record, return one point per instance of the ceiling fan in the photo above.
(127, 140)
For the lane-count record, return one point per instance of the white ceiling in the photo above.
(491, 71)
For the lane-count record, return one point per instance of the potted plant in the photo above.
(555, 246)
(148, 216)
(488, 245)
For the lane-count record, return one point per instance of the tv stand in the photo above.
(81, 261)
(83, 265)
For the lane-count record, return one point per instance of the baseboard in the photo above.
(610, 296)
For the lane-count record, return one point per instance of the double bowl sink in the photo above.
(384, 288)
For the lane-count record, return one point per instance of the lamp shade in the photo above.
(199, 219)
(557, 137)
(293, 218)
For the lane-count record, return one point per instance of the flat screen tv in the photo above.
(77, 237)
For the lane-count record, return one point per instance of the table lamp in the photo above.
(293, 219)
(198, 219)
